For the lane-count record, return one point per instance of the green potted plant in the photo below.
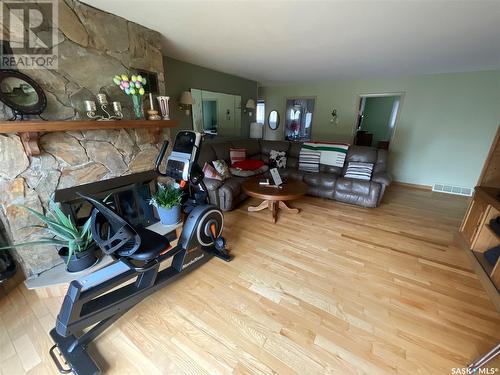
(76, 245)
(167, 200)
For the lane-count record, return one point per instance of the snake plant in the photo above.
(61, 230)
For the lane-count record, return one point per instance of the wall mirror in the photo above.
(273, 120)
(377, 118)
(216, 113)
(21, 93)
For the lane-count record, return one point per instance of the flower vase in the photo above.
(138, 112)
(163, 103)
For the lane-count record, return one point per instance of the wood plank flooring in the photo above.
(336, 289)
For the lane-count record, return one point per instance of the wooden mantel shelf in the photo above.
(29, 130)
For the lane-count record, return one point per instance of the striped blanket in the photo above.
(331, 153)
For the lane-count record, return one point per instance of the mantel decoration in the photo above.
(152, 113)
(90, 108)
(133, 87)
(21, 94)
(163, 103)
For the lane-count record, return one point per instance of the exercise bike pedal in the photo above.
(56, 359)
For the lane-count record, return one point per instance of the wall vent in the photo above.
(450, 189)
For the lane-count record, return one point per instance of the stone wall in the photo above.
(93, 47)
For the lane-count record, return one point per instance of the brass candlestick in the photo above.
(153, 115)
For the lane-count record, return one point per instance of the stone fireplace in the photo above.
(93, 47)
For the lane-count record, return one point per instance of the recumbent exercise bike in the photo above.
(99, 299)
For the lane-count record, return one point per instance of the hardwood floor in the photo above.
(336, 289)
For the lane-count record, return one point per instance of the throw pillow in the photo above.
(237, 154)
(222, 169)
(309, 160)
(210, 172)
(358, 170)
(248, 164)
(277, 159)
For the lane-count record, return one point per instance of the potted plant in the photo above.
(167, 200)
(76, 245)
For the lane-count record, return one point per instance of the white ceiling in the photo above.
(277, 42)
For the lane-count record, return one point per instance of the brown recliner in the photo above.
(329, 182)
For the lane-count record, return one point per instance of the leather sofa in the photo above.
(327, 183)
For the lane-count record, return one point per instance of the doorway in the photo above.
(377, 119)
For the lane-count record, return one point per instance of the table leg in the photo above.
(285, 207)
(260, 207)
(274, 210)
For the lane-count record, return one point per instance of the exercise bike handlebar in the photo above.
(160, 157)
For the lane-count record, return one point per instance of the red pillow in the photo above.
(248, 164)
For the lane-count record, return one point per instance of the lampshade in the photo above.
(250, 104)
(186, 98)
(256, 130)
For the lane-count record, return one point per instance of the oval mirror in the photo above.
(273, 120)
(21, 93)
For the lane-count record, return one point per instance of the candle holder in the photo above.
(91, 108)
(163, 103)
(153, 115)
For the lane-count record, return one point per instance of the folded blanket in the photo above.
(332, 153)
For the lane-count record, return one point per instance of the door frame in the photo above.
(359, 97)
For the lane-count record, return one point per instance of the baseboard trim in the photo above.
(413, 186)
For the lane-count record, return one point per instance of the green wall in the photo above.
(182, 76)
(377, 114)
(444, 131)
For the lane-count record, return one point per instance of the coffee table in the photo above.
(274, 197)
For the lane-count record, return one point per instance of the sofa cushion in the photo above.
(221, 150)
(382, 178)
(359, 192)
(361, 154)
(212, 184)
(267, 146)
(323, 180)
(381, 163)
(251, 145)
(206, 155)
(323, 168)
(291, 173)
(292, 160)
(249, 172)
(229, 192)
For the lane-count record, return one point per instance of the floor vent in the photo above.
(450, 189)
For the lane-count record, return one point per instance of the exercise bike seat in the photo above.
(152, 245)
(117, 237)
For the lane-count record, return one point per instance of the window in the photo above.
(260, 112)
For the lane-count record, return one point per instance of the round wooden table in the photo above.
(274, 197)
